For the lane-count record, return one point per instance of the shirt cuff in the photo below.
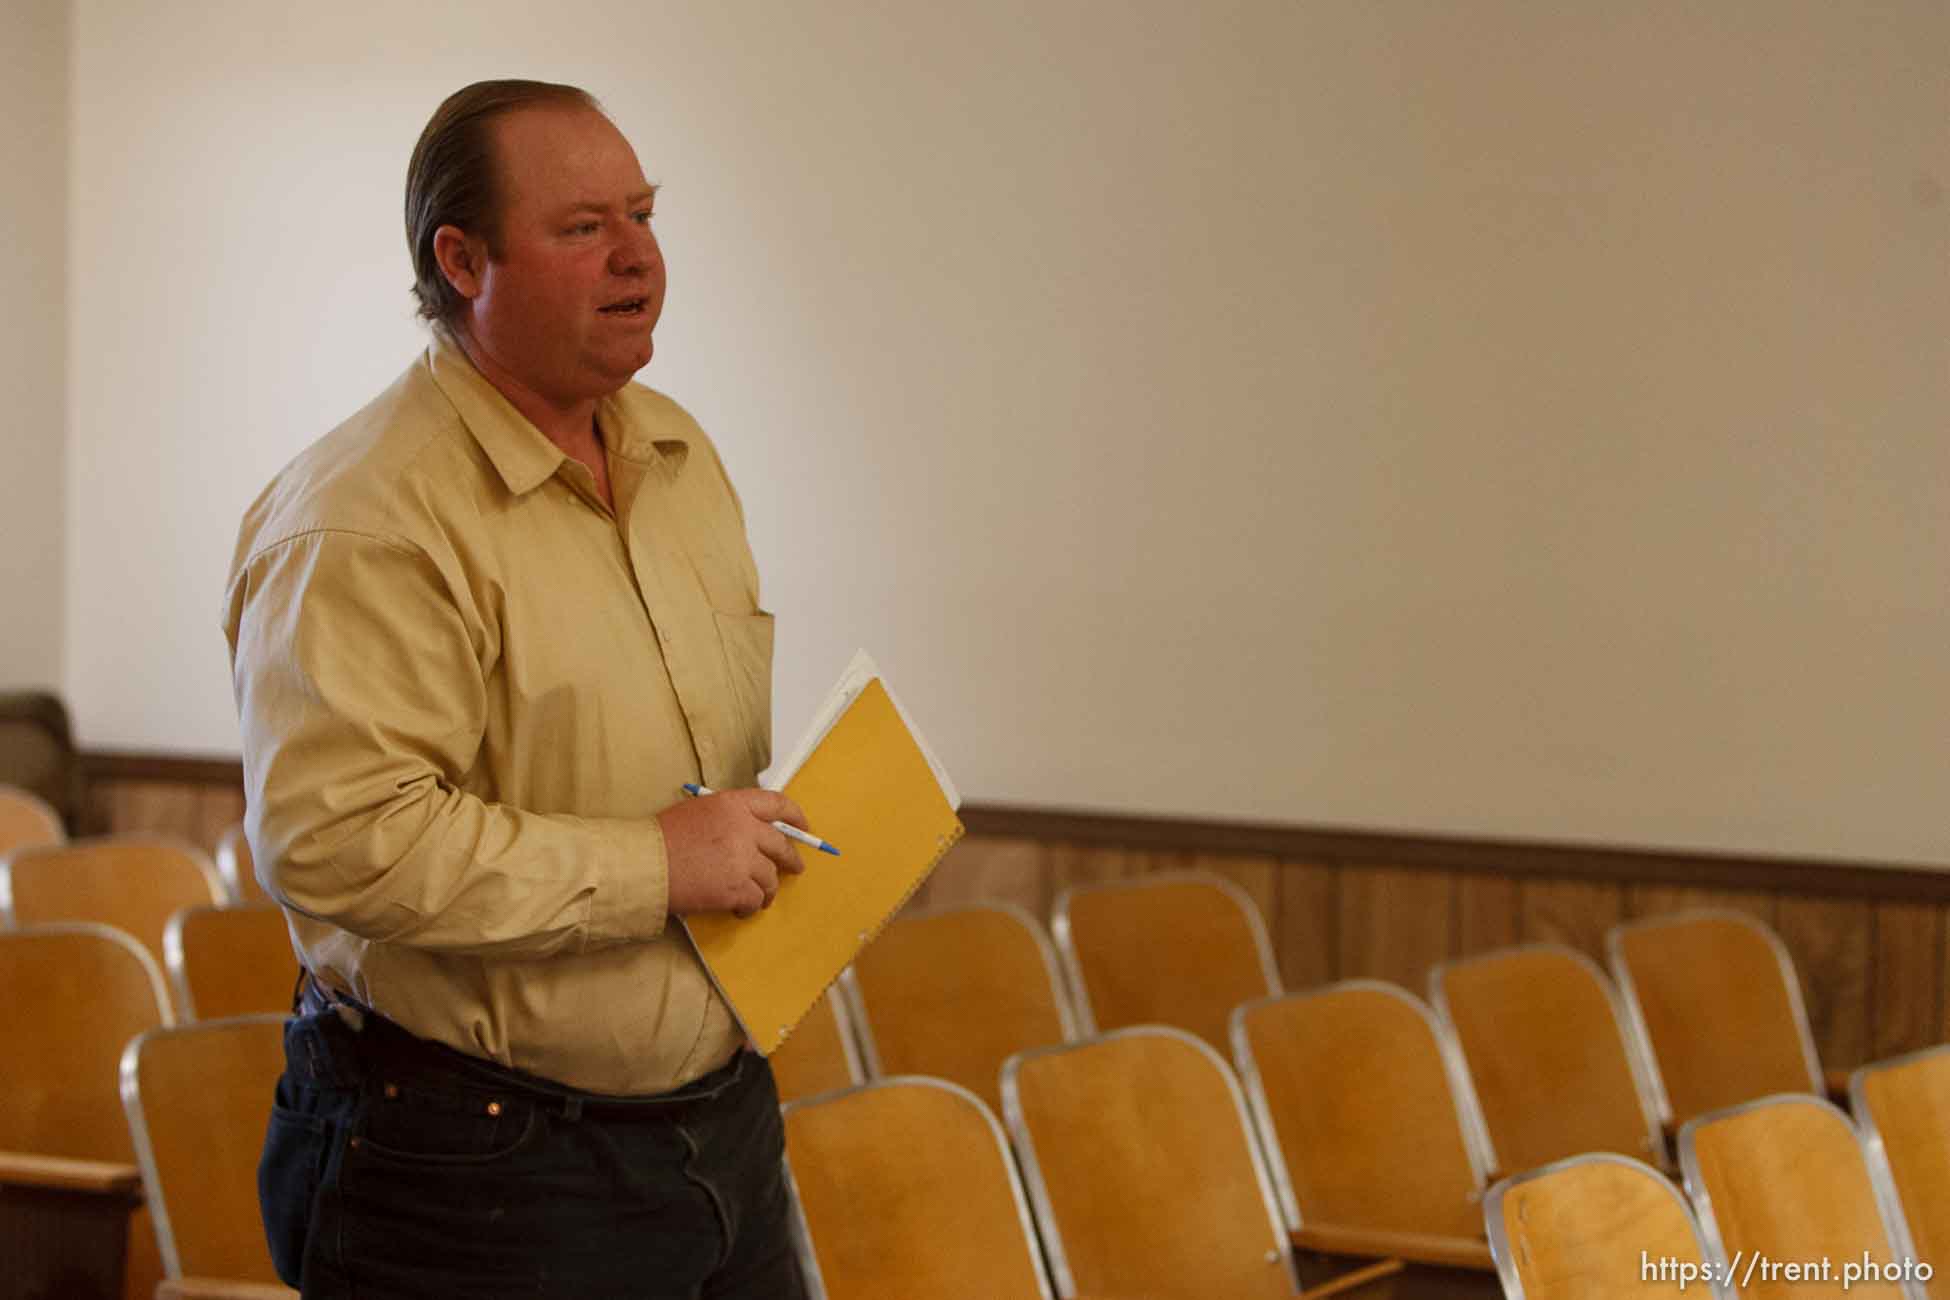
(632, 898)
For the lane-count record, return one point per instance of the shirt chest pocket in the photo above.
(746, 643)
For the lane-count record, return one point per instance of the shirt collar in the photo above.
(521, 453)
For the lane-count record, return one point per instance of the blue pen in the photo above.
(791, 832)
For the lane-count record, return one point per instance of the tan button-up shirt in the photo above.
(466, 689)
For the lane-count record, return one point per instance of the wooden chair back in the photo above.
(230, 961)
(1583, 1228)
(37, 750)
(954, 992)
(239, 872)
(198, 1098)
(1715, 1001)
(71, 996)
(1143, 1176)
(132, 882)
(820, 1055)
(75, 994)
(1903, 1106)
(1178, 948)
(27, 821)
(1369, 1117)
(1785, 1178)
(1548, 1056)
(906, 1188)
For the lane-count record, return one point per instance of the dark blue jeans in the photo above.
(395, 1167)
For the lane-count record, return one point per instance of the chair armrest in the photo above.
(60, 1174)
(216, 1288)
(1414, 1247)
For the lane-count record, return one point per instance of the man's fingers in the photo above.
(765, 875)
(778, 851)
(771, 806)
(754, 896)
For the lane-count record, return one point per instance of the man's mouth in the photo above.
(627, 307)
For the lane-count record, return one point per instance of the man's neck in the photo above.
(570, 425)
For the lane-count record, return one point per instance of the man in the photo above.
(481, 634)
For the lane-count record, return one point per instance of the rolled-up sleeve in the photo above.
(359, 681)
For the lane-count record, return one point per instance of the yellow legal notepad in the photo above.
(869, 787)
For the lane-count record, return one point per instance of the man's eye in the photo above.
(642, 218)
(583, 228)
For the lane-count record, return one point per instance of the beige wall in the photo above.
(1508, 418)
(33, 336)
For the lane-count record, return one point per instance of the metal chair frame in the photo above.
(1873, 1147)
(1641, 1081)
(1032, 1170)
(1462, 1093)
(862, 1019)
(145, 1152)
(1499, 1235)
(1888, 1209)
(802, 1231)
(1635, 1013)
(1060, 931)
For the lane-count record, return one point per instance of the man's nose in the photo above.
(635, 254)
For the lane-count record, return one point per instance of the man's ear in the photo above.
(462, 259)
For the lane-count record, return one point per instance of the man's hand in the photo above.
(724, 853)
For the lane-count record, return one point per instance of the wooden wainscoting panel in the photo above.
(1943, 985)
(1831, 941)
(217, 811)
(1572, 912)
(1908, 986)
(1663, 900)
(1488, 914)
(1072, 864)
(195, 812)
(990, 869)
(1303, 932)
(1395, 923)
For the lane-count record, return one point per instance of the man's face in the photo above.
(568, 306)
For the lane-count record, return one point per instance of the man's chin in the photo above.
(621, 364)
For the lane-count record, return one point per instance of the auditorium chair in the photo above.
(198, 1099)
(1548, 1057)
(1144, 1176)
(132, 882)
(37, 752)
(905, 1187)
(75, 994)
(1596, 1226)
(1369, 1127)
(1715, 1005)
(235, 865)
(230, 961)
(1903, 1106)
(1783, 1179)
(955, 991)
(27, 821)
(1176, 948)
(820, 1054)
